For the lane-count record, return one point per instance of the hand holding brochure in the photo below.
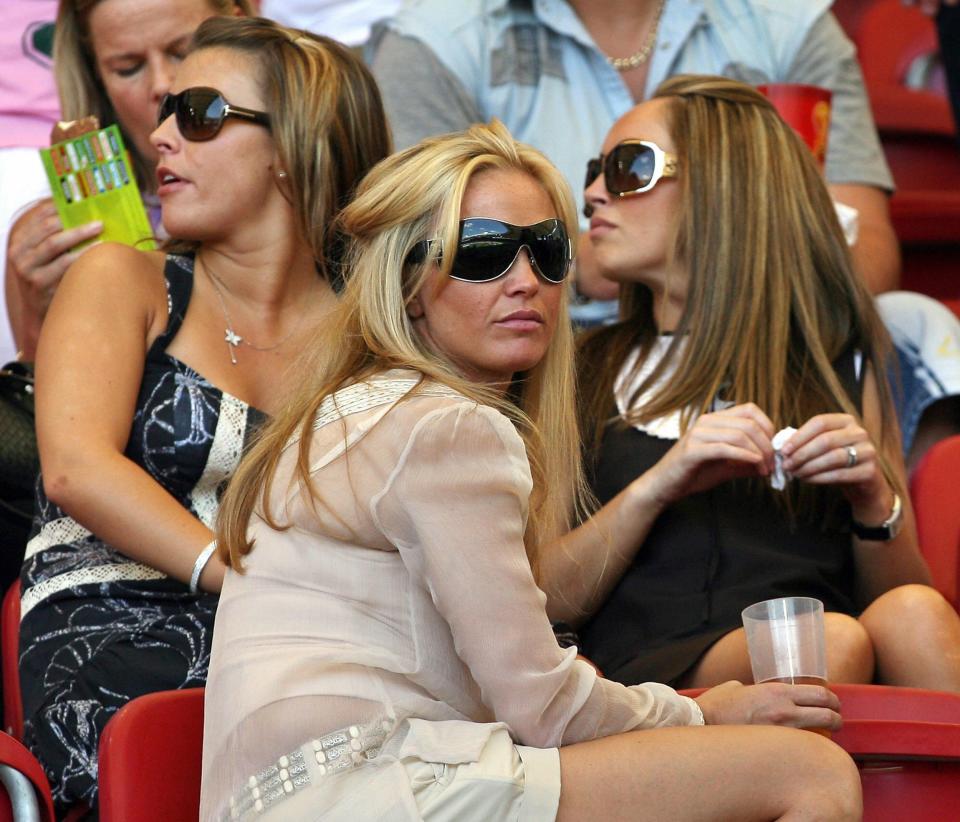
(91, 178)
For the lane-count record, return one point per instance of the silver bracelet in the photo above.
(200, 564)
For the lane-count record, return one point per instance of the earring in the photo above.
(282, 175)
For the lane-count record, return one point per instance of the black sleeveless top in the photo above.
(708, 557)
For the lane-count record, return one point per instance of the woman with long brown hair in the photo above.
(156, 367)
(745, 384)
(113, 59)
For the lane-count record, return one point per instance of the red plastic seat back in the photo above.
(849, 14)
(14, 754)
(874, 702)
(934, 488)
(890, 36)
(150, 754)
(906, 742)
(917, 133)
(10, 659)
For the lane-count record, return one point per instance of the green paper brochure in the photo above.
(92, 178)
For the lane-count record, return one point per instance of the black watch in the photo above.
(886, 530)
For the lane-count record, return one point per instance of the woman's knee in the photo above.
(840, 781)
(824, 782)
(913, 605)
(828, 783)
(850, 656)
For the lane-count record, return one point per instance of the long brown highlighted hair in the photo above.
(773, 298)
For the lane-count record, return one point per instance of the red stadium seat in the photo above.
(849, 13)
(918, 137)
(906, 742)
(26, 794)
(890, 39)
(884, 702)
(9, 659)
(150, 755)
(933, 490)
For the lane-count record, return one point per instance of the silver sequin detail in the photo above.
(337, 751)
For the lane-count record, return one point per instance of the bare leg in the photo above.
(716, 773)
(726, 659)
(916, 637)
(849, 656)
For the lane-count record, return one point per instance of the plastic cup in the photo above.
(806, 109)
(785, 640)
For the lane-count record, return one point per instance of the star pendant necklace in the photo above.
(231, 337)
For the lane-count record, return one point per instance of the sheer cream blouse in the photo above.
(403, 593)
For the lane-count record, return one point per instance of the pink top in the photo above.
(29, 105)
(405, 593)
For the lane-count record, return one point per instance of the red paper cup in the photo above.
(807, 109)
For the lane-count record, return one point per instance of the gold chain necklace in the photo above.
(231, 337)
(639, 57)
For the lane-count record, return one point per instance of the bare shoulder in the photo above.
(112, 274)
(118, 262)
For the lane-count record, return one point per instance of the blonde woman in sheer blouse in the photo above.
(382, 649)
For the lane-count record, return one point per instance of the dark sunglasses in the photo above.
(201, 113)
(633, 167)
(487, 249)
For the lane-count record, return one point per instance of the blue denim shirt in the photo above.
(535, 67)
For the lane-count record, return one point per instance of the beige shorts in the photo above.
(508, 782)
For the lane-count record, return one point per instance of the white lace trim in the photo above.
(223, 459)
(667, 427)
(384, 392)
(362, 396)
(85, 576)
(60, 531)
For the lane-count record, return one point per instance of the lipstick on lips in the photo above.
(167, 180)
(523, 320)
(599, 226)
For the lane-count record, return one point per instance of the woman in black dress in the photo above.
(742, 317)
(154, 368)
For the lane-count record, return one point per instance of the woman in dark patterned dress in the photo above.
(742, 317)
(155, 368)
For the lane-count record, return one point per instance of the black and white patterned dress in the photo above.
(98, 628)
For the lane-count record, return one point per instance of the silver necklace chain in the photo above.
(231, 337)
(639, 57)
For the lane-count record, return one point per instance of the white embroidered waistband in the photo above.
(320, 757)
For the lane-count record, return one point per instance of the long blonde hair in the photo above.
(412, 196)
(79, 85)
(773, 298)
